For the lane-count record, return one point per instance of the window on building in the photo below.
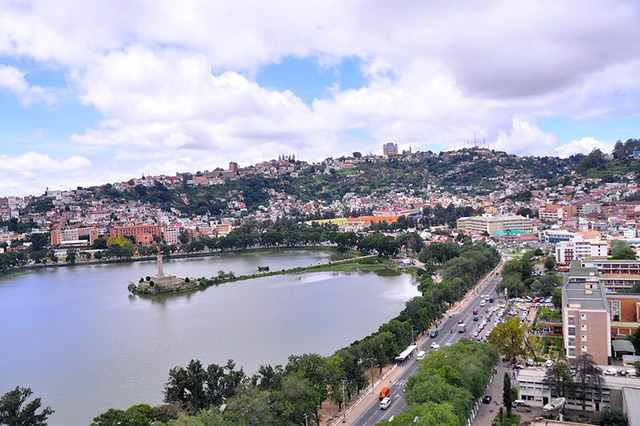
(572, 331)
(584, 349)
(571, 320)
(614, 310)
(572, 352)
(572, 341)
(583, 327)
(584, 337)
(583, 317)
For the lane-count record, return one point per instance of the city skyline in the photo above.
(105, 91)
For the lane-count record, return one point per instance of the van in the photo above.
(384, 393)
(434, 333)
(385, 403)
(421, 355)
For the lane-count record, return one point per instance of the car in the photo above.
(435, 346)
(530, 362)
(421, 355)
(486, 399)
(385, 403)
(460, 321)
(610, 372)
(521, 405)
(483, 304)
(548, 363)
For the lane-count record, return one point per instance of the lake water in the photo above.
(83, 344)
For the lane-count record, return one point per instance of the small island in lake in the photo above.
(160, 282)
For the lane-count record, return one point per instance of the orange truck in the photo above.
(384, 393)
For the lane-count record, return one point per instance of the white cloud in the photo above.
(584, 146)
(31, 172)
(36, 162)
(12, 79)
(525, 139)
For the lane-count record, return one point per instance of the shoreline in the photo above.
(26, 268)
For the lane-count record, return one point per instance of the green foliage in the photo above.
(635, 340)
(549, 263)
(16, 411)
(509, 337)
(620, 250)
(559, 379)
(447, 384)
(608, 417)
(595, 160)
(197, 388)
(507, 394)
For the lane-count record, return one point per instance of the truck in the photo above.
(462, 328)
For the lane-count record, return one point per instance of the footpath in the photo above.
(329, 415)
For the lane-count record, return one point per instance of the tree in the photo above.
(14, 412)
(560, 380)
(556, 298)
(588, 378)
(549, 263)
(100, 243)
(506, 393)
(635, 339)
(509, 337)
(620, 250)
(71, 256)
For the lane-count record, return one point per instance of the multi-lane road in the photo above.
(447, 333)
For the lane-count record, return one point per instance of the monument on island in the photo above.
(161, 277)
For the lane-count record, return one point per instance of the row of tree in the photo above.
(448, 383)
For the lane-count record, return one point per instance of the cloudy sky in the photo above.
(105, 90)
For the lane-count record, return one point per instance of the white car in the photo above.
(610, 372)
(421, 355)
(385, 403)
(435, 346)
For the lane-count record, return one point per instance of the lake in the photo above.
(82, 343)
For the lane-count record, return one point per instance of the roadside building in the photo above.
(617, 392)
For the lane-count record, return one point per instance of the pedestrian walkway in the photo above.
(487, 412)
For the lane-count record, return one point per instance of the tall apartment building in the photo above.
(585, 315)
(492, 224)
(389, 149)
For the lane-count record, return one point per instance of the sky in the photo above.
(106, 90)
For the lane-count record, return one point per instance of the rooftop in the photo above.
(586, 294)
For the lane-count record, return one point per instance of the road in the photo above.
(447, 333)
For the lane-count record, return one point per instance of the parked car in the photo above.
(421, 355)
(610, 372)
(435, 346)
(486, 399)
